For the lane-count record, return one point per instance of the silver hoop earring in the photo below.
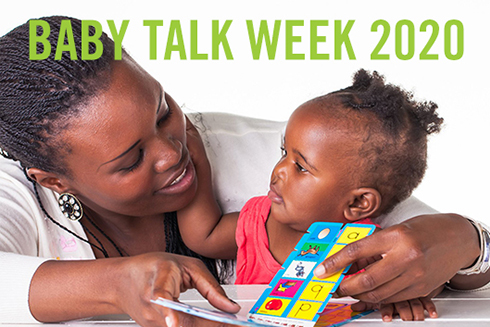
(70, 206)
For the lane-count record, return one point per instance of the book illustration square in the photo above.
(312, 251)
(317, 291)
(324, 234)
(299, 269)
(286, 288)
(304, 310)
(352, 234)
(273, 306)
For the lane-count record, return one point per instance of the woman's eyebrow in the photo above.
(137, 142)
(304, 158)
(122, 154)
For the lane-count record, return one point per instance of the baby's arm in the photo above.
(203, 227)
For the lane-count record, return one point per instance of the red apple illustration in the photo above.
(274, 305)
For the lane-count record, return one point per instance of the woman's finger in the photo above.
(391, 292)
(363, 306)
(371, 246)
(209, 288)
(371, 283)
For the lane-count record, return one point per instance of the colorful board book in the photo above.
(295, 297)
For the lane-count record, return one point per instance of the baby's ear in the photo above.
(364, 203)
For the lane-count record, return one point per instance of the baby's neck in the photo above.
(282, 239)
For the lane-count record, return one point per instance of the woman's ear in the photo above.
(364, 203)
(48, 180)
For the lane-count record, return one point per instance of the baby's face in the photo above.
(312, 180)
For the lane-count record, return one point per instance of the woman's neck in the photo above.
(131, 235)
(282, 239)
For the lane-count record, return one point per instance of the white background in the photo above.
(457, 178)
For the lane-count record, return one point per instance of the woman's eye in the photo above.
(300, 168)
(165, 116)
(136, 164)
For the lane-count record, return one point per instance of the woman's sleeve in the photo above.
(18, 246)
(16, 274)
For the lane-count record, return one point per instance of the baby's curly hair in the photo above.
(394, 149)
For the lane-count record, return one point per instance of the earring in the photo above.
(70, 206)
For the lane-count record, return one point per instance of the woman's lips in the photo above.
(274, 196)
(178, 179)
(181, 183)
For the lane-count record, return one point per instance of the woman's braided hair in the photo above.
(38, 98)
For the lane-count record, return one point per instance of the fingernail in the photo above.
(320, 270)
(386, 318)
(168, 321)
(233, 301)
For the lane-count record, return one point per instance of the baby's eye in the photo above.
(300, 168)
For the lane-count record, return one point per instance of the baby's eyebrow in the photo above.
(304, 158)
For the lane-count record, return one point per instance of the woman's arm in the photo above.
(66, 290)
(418, 255)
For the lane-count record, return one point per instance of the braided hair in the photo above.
(394, 150)
(38, 98)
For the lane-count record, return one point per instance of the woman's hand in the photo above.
(150, 276)
(67, 290)
(416, 257)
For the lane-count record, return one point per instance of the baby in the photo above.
(347, 156)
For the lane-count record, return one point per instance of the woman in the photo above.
(106, 132)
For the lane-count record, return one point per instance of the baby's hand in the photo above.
(410, 310)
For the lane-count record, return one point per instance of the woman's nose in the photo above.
(169, 153)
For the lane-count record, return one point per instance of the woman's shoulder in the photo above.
(12, 178)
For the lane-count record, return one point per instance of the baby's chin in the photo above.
(281, 216)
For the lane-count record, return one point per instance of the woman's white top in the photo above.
(242, 152)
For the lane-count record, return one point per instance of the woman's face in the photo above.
(127, 148)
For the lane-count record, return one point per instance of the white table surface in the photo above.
(455, 309)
